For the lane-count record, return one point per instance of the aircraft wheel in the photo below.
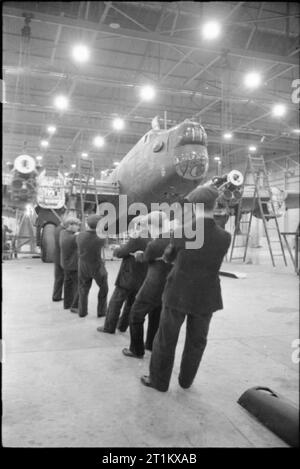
(48, 243)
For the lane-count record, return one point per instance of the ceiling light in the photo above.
(44, 143)
(227, 135)
(81, 53)
(252, 148)
(279, 110)
(252, 80)
(118, 123)
(296, 131)
(211, 30)
(61, 102)
(114, 25)
(84, 155)
(116, 163)
(99, 141)
(217, 158)
(51, 129)
(73, 166)
(147, 93)
(39, 157)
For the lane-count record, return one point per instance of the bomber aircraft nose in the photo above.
(191, 162)
(190, 150)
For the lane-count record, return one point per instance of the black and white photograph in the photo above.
(150, 229)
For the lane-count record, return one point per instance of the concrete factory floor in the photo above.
(67, 385)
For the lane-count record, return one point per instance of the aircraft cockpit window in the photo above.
(191, 134)
(158, 146)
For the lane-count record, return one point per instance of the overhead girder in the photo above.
(82, 118)
(149, 36)
(136, 132)
(212, 139)
(55, 75)
(213, 83)
(192, 13)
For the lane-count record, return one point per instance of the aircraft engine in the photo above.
(23, 185)
(229, 187)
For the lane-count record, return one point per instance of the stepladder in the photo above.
(83, 184)
(257, 187)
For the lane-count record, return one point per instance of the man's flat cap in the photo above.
(92, 221)
(71, 221)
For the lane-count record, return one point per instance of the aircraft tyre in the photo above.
(48, 243)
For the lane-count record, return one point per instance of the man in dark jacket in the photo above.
(130, 277)
(193, 290)
(58, 270)
(91, 266)
(69, 262)
(148, 299)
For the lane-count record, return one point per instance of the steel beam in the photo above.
(279, 73)
(204, 69)
(265, 20)
(129, 18)
(104, 14)
(64, 142)
(251, 122)
(58, 33)
(148, 37)
(51, 74)
(171, 70)
(195, 13)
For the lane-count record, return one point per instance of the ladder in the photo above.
(24, 234)
(84, 180)
(259, 188)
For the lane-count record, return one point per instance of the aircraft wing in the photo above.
(291, 199)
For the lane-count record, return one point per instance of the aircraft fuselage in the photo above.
(164, 164)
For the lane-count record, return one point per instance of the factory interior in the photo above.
(152, 101)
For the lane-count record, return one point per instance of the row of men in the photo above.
(77, 261)
(161, 278)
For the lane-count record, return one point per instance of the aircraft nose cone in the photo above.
(191, 161)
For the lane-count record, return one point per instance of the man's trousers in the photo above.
(58, 282)
(70, 289)
(123, 322)
(138, 313)
(86, 274)
(164, 346)
(113, 319)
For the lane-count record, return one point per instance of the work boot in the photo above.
(128, 353)
(102, 329)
